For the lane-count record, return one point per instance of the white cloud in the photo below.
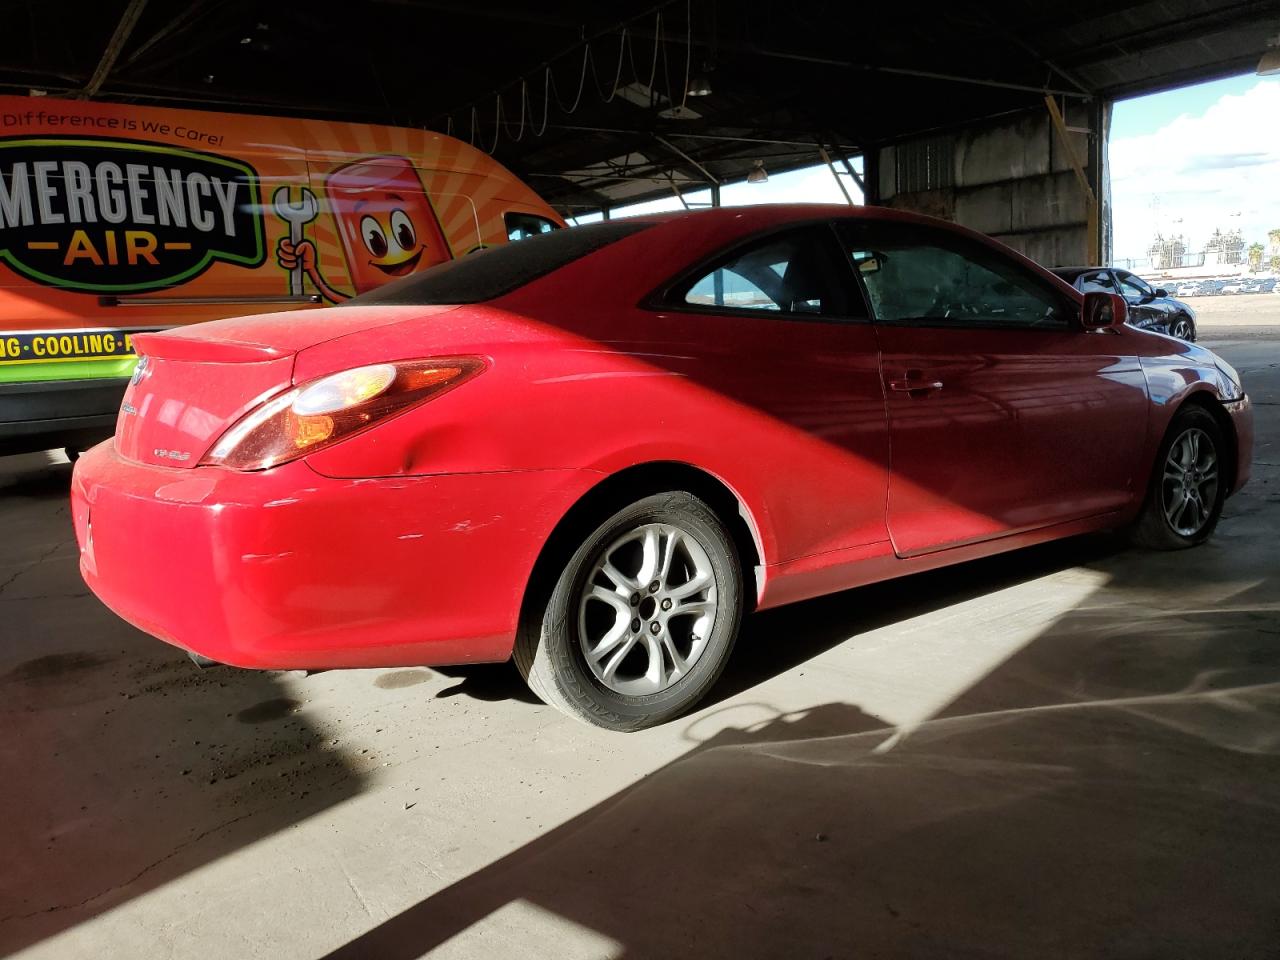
(1217, 170)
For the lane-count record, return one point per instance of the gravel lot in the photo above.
(1245, 317)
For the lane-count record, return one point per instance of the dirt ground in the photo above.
(1242, 310)
(1066, 751)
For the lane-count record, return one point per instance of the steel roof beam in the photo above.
(128, 20)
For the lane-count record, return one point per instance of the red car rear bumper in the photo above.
(289, 569)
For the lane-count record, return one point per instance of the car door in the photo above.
(1004, 414)
(1145, 311)
(775, 326)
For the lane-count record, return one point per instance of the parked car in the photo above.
(1150, 308)
(592, 451)
(1187, 289)
(133, 229)
(1232, 286)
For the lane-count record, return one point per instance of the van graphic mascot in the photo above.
(386, 226)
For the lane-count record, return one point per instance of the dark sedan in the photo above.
(1150, 308)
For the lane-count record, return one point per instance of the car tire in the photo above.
(1192, 459)
(1183, 327)
(579, 647)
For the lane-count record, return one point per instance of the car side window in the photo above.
(1097, 282)
(788, 273)
(918, 276)
(1134, 286)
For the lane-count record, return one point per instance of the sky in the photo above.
(808, 185)
(1192, 160)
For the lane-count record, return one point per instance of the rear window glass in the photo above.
(488, 274)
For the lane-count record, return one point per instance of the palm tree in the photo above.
(1255, 257)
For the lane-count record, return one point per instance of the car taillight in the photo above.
(324, 411)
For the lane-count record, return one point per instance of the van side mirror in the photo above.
(1103, 311)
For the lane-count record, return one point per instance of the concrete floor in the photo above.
(1069, 751)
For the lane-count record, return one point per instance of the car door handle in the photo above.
(909, 385)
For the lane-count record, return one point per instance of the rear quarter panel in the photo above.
(572, 391)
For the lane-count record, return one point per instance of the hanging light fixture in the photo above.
(699, 84)
(759, 174)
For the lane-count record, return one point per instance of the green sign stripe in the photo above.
(77, 370)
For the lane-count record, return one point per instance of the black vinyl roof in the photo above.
(488, 274)
(784, 75)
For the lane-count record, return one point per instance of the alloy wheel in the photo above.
(1189, 488)
(647, 609)
(1181, 329)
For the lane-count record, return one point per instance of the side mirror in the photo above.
(1103, 311)
(1161, 292)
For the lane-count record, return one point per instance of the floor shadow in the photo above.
(774, 641)
(1137, 819)
(123, 765)
(1110, 789)
(489, 682)
(1135, 828)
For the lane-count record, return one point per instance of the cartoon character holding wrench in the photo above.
(386, 225)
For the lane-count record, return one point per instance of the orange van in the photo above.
(116, 219)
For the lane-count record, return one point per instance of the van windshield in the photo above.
(492, 273)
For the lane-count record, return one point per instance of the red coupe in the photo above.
(595, 450)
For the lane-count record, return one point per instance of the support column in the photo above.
(1099, 176)
(871, 175)
(1093, 235)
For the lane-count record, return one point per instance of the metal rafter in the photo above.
(128, 20)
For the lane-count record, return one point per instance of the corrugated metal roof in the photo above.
(783, 74)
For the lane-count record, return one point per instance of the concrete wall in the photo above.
(1011, 179)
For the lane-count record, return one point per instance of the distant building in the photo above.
(1166, 253)
(1225, 248)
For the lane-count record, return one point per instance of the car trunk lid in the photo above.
(194, 383)
(174, 410)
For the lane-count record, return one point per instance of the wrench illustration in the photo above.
(297, 215)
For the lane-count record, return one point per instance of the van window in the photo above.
(521, 226)
(497, 271)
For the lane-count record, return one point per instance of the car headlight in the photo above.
(1229, 382)
(316, 414)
